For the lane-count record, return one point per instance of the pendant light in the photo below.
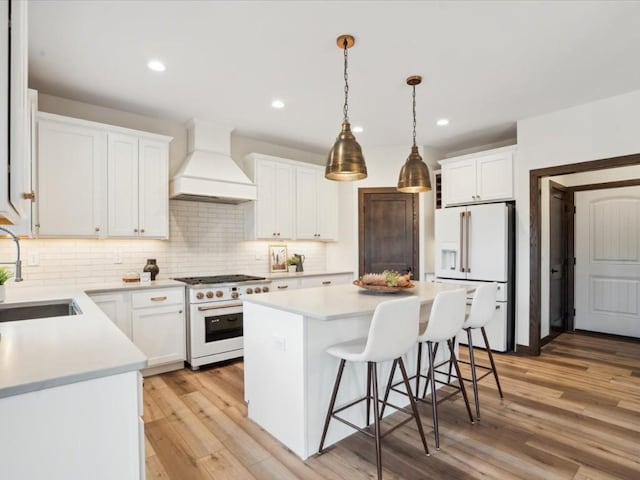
(414, 175)
(345, 162)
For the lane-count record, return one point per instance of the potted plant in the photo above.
(5, 275)
(292, 264)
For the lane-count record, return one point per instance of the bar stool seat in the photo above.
(393, 332)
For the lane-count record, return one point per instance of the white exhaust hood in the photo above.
(209, 174)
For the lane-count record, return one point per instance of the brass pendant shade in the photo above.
(414, 174)
(345, 162)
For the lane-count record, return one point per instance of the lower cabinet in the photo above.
(154, 320)
(308, 281)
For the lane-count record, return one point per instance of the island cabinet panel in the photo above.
(90, 429)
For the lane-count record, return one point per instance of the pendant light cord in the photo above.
(345, 108)
(414, 115)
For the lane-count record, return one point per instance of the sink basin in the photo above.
(28, 311)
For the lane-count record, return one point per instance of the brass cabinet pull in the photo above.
(281, 287)
(327, 282)
(158, 299)
(29, 196)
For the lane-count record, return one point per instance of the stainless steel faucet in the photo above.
(18, 262)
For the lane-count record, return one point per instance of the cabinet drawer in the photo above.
(325, 280)
(157, 298)
(284, 285)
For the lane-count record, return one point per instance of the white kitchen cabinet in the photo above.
(15, 131)
(137, 187)
(477, 178)
(271, 215)
(154, 319)
(71, 166)
(316, 205)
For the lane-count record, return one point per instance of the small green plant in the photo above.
(5, 275)
(292, 261)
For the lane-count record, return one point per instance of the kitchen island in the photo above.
(288, 374)
(70, 391)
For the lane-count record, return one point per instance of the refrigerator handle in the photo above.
(462, 247)
(466, 255)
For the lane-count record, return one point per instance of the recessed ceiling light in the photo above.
(277, 104)
(442, 122)
(156, 66)
(358, 129)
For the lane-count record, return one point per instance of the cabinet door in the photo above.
(117, 307)
(71, 169)
(153, 173)
(266, 208)
(284, 185)
(327, 208)
(494, 177)
(459, 182)
(122, 181)
(306, 204)
(160, 333)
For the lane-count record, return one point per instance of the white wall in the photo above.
(603, 129)
(383, 168)
(571, 180)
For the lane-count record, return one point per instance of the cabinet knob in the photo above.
(97, 229)
(278, 233)
(179, 311)
(135, 230)
(142, 230)
(274, 234)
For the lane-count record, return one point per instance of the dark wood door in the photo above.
(561, 212)
(388, 231)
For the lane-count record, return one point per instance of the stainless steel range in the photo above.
(214, 324)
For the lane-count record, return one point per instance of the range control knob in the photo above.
(250, 291)
(209, 294)
(265, 289)
(235, 294)
(219, 293)
(199, 295)
(257, 289)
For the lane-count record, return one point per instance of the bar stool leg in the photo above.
(454, 361)
(414, 407)
(368, 394)
(388, 389)
(376, 420)
(418, 370)
(434, 400)
(493, 365)
(474, 377)
(332, 404)
(426, 385)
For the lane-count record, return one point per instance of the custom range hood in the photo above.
(209, 174)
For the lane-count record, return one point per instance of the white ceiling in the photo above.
(485, 64)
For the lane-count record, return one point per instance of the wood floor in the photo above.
(572, 413)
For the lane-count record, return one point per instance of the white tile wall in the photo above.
(204, 239)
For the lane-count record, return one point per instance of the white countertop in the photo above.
(123, 286)
(341, 301)
(48, 352)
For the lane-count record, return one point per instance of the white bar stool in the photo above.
(445, 322)
(483, 307)
(393, 332)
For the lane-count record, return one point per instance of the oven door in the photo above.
(215, 328)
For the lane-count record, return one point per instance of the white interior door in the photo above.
(488, 242)
(607, 249)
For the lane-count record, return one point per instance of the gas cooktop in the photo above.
(216, 279)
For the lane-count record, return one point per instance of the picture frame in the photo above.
(278, 258)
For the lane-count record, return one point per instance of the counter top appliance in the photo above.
(214, 320)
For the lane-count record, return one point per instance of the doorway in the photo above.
(388, 231)
(561, 259)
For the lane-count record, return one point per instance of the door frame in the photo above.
(535, 237)
(416, 226)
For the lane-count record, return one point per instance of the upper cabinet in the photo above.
(96, 180)
(316, 205)
(478, 177)
(294, 201)
(15, 131)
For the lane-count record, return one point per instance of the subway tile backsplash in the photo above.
(204, 239)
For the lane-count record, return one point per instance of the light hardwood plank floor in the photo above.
(571, 413)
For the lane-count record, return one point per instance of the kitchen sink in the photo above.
(28, 311)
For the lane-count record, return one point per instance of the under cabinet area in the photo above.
(294, 201)
(479, 177)
(100, 181)
(154, 320)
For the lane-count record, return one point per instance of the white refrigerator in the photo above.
(475, 244)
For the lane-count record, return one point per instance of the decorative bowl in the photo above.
(383, 288)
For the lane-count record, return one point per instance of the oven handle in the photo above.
(218, 307)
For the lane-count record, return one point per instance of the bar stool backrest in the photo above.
(447, 316)
(393, 331)
(483, 306)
